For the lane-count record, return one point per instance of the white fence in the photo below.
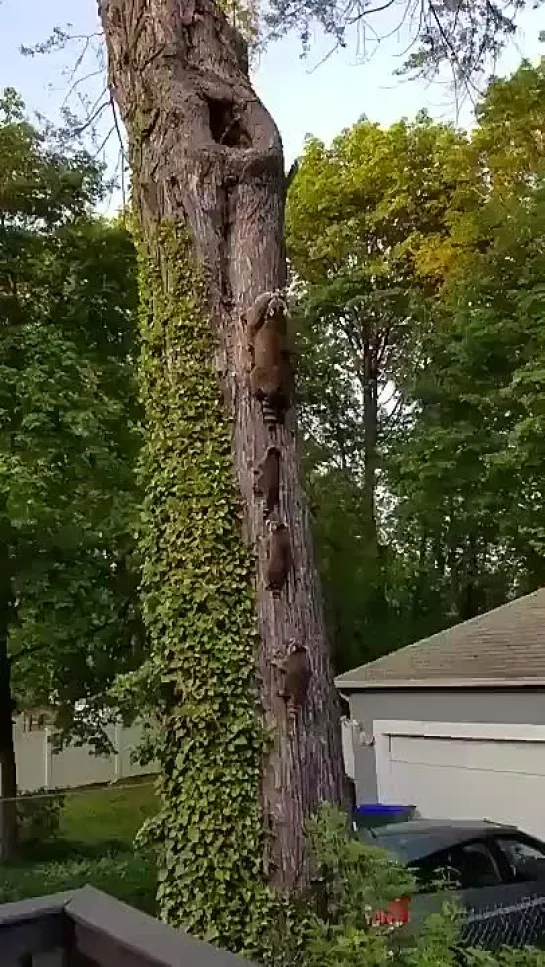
(38, 767)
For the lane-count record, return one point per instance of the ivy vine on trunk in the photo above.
(239, 775)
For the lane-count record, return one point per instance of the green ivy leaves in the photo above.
(199, 610)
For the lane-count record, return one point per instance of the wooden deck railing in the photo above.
(86, 928)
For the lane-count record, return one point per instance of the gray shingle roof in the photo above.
(504, 646)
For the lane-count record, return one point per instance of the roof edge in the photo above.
(360, 685)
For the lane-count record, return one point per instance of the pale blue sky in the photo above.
(303, 100)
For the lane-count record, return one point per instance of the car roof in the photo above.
(418, 838)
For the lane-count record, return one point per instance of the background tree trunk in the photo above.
(205, 153)
(8, 768)
(370, 440)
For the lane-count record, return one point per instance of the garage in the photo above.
(455, 724)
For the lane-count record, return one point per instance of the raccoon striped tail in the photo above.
(270, 415)
(269, 512)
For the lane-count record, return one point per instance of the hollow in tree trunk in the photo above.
(241, 765)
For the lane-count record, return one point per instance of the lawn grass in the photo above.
(94, 845)
(106, 816)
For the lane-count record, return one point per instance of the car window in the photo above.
(476, 865)
(526, 859)
(435, 873)
(465, 867)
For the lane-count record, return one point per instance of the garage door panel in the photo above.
(479, 796)
(503, 781)
(491, 755)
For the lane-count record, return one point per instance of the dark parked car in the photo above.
(496, 872)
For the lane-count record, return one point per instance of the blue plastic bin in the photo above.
(380, 814)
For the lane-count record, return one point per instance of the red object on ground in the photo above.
(395, 915)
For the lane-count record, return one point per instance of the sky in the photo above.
(304, 95)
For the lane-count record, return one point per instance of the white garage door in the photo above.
(469, 771)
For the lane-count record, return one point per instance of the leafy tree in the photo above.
(228, 824)
(473, 461)
(509, 138)
(440, 560)
(208, 187)
(364, 217)
(68, 615)
(470, 470)
(78, 612)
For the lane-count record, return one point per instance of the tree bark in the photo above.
(208, 155)
(468, 596)
(365, 340)
(8, 768)
(370, 440)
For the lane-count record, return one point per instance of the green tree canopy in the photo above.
(468, 471)
(369, 227)
(68, 416)
(417, 251)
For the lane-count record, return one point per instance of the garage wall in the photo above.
(524, 706)
(465, 770)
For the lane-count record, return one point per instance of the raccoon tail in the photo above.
(271, 416)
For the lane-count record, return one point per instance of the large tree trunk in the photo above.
(8, 769)
(206, 155)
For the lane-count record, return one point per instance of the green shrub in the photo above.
(352, 875)
(353, 879)
(39, 815)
